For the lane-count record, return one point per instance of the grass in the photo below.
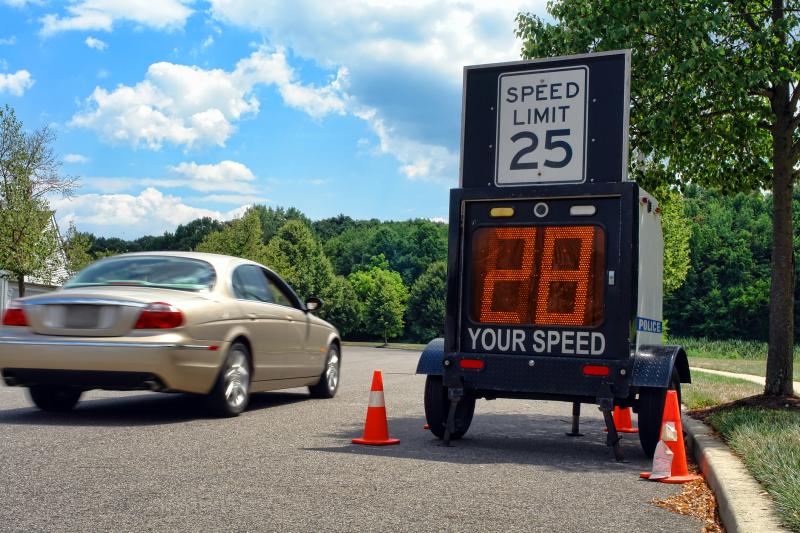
(769, 442)
(731, 355)
(707, 390)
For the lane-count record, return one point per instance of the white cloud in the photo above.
(188, 105)
(151, 211)
(84, 15)
(208, 41)
(76, 158)
(404, 61)
(96, 44)
(17, 83)
(9, 40)
(222, 176)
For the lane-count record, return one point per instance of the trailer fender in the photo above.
(653, 364)
(432, 359)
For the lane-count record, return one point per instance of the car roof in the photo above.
(218, 261)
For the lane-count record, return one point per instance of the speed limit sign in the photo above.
(541, 126)
(550, 121)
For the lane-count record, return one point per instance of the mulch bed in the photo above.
(696, 500)
(791, 403)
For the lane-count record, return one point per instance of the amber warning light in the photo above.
(538, 275)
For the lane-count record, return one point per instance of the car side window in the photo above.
(281, 296)
(250, 283)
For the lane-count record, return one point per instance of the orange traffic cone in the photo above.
(622, 421)
(672, 436)
(376, 429)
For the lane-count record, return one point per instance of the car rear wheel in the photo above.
(328, 382)
(651, 412)
(437, 407)
(54, 398)
(231, 393)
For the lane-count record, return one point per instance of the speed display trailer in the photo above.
(555, 258)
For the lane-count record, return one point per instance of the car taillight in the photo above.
(15, 315)
(159, 315)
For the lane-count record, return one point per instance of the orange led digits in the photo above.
(538, 275)
(566, 267)
(505, 296)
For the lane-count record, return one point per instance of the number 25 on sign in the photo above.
(541, 127)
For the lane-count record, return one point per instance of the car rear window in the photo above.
(148, 271)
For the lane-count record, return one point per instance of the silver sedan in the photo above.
(169, 321)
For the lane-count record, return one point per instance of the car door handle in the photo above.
(251, 316)
(290, 318)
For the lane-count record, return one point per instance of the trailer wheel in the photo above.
(437, 406)
(651, 411)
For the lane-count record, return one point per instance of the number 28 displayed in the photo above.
(538, 275)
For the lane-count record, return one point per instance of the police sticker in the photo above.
(648, 325)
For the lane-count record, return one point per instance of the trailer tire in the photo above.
(437, 406)
(651, 412)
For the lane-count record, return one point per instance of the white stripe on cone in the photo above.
(376, 399)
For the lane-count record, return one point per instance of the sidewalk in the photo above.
(746, 377)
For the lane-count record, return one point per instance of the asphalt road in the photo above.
(146, 461)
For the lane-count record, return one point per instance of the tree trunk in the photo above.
(20, 284)
(781, 301)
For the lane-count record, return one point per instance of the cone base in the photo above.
(673, 479)
(386, 442)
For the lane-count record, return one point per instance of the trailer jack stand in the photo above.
(450, 425)
(612, 438)
(576, 421)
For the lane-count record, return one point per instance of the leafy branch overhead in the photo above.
(715, 86)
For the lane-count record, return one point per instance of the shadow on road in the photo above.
(503, 439)
(139, 410)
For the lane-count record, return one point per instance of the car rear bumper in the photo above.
(159, 362)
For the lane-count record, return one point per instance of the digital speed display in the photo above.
(538, 275)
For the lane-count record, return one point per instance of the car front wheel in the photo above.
(54, 397)
(328, 382)
(231, 393)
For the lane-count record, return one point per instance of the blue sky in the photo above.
(176, 109)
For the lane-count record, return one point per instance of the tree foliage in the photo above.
(384, 297)
(29, 170)
(240, 238)
(296, 255)
(76, 248)
(425, 314)
(714, 93)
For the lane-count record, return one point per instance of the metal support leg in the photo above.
(454, 394)
(576, 420)
(450, 426)
(612, 438)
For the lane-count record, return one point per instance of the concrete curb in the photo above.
(743, 506)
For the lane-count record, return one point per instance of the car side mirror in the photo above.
(314, 304)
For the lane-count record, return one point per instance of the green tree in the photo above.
(714, 92)
(273, 219)
(29, 170)
(76, 248)
(296, 255)
(425, 313)
(677, 232)
(240, 238)
(342, 307)
(384, 298)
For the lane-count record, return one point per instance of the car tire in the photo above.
(231, 392)
(651, 412)
(328, 382)
(437, 407)
(54, 398)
